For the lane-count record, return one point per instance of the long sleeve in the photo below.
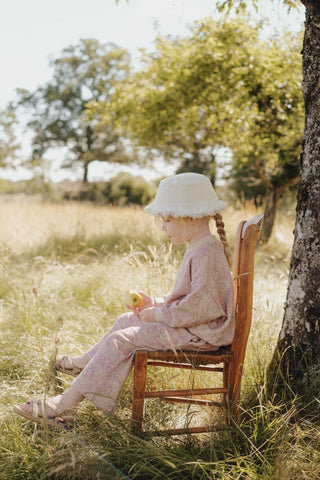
(202, 296)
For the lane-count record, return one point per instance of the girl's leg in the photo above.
(81, 361)
(72, 396)
(102, 379)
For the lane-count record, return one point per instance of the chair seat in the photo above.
(195, 358)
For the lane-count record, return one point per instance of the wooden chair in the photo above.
(230, 358)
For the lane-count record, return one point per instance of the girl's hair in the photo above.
(223, 237)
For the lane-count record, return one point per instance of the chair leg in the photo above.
(139, 388)
(235, 375)
(235, 406)
(226, 396)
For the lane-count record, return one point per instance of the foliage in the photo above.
(271, 156)
(275, 131)
(273, 149)
(241, 5)
(246, 185)
(84, 72)
(123, 189)
(8, 139)
(189, 95)
(223, 85)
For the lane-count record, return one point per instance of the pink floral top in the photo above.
(202, 296)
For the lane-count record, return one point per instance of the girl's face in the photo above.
(176, 229)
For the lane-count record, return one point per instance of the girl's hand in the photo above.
(146, 302)
(148, 315)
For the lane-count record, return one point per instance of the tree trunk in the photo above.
(297, 355)
(272, 202)
(85, 173)
(87, 155)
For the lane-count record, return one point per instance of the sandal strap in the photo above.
(31, 411)
(65, 362)
(35, 404)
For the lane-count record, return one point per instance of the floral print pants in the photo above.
(110, 361)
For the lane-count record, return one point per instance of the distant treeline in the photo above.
(123, 189)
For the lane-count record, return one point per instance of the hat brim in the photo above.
(176, 212)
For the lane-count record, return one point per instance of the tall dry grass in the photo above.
(64, 269)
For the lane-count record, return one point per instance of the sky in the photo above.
(33, 31)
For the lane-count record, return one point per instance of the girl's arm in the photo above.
(210, 287)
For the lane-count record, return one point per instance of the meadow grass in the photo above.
(64, 270)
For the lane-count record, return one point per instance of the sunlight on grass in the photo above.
(64, 271)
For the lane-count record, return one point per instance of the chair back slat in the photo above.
(243, 274)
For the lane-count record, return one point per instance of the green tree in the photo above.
(83, 73)
(275, 131)
(9, 144)
(297, 354)
(180, 103)
(222, 86)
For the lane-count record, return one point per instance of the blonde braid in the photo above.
(223, 237)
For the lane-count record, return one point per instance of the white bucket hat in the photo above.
(186, 195)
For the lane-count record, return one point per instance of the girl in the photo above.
(197, 315)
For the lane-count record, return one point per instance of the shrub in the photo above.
(123, 189)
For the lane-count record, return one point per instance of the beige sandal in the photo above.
(64, 365)
(30, 410)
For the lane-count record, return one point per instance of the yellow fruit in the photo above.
(135, 298)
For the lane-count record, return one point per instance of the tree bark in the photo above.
(297, 355)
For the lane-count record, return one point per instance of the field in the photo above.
(64, 270)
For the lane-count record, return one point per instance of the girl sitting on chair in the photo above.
(197, 315)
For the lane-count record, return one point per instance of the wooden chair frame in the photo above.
(230, 358)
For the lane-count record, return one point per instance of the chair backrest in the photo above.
(243, 273)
